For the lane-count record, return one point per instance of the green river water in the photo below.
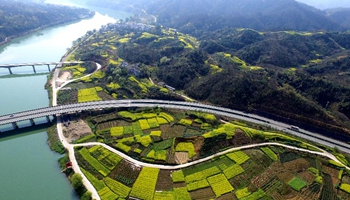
(28, 168)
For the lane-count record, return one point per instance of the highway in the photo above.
(38, 63)
(72, 108)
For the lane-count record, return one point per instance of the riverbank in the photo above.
(8, 40)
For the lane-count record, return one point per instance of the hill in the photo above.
(206, 15)
(18, 18)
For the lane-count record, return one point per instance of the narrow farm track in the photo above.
(91, 188)
(175, 167)
(68, 146)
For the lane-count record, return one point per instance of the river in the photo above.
(29, 169)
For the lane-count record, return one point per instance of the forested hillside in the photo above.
(268, 67)
(197, 16)
(17, 18)
(300, 76)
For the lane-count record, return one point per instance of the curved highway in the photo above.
(64, 109)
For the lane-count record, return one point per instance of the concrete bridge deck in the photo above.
(57, 64)
(37, 63)
(72, 108)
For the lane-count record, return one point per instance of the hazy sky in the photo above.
(323, 4)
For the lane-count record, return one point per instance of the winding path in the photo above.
(66, 144)
(174, 167)
(90, 187)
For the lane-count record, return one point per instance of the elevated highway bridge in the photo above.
(57, 64)
(73, 108)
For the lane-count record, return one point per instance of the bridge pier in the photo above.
(34, 68)
(48, 119)
(14, 125)
(9, 68)
(32, 123)
(48, 66)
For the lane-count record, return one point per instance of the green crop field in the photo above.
(164, 195)
(144, 140)
(178, 176)
(242, 193)
(157, 155)
(238, 156)
(117, 131)
(255, 196)
(93, 162)
(144, 124)
(202, 174)
(166, 116)
(85, 138)
(145, 184)
(118, 188)
(269, 153)
(123, 147)
(89, 94)
(345, 187)
(219, 184)
(186, 122)
(297, 184)
(186, 147)
(107, 194)
(233, 171)
(197, 185)
(181, 194)
(98, 184)
(228, 129)
(153, 123)
(156, 133)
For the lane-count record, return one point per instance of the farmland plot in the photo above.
(145, 184)
(219, 184)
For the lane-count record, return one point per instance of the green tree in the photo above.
(77, 183)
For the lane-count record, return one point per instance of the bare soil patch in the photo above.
(164, 182)
(181, 157)
(76, 129)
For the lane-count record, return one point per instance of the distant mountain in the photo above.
(327, 4)
(208, 15)
(341, 16)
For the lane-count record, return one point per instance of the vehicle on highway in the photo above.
(294, 128)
